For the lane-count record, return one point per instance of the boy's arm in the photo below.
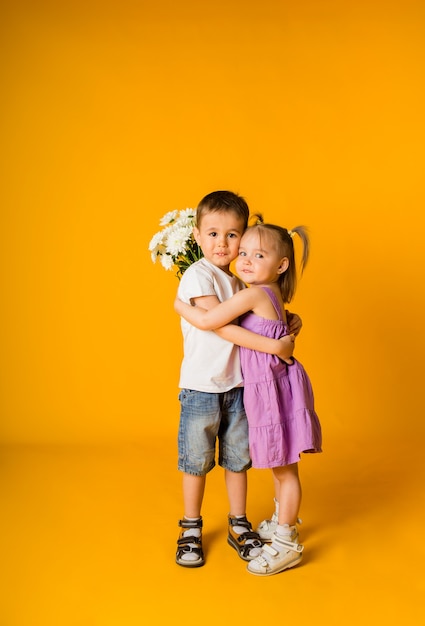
(294, 323)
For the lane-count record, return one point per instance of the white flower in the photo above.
(187, 221)
(167, 261)
(187, 214)
(175, 245)
(177, 240)
(168, 218)
(156, 241)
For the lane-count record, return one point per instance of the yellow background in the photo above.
(114, 114)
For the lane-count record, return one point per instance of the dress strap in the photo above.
(275, 302)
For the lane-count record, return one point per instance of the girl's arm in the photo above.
(216, 313)
(209, 316)
(282, 348)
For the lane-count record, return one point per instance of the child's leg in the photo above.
(276, 484)
(241, 536)
(193, 494)
(284, 551)
(288, 493)
(234, 458)
(236, 485)
(267, 527)
(198, 427)
(189, 543)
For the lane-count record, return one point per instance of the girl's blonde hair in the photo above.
(283, 240)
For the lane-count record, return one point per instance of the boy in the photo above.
(211, 385)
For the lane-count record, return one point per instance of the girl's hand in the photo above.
(287, 350)
(294, 323)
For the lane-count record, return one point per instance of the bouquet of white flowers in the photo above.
(175, 245)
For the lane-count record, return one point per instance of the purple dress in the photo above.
(278, 400)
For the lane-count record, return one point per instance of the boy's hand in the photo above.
(294, 323)
(177, 305)
(288, 345)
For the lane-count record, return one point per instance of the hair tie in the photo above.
(256, 219)
(291, 233)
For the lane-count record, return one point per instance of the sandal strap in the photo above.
(185, 545)
(184, 523)
(189, 544)
(181, 550)
(250, 534)
(291, 545)
(245, 548)
(182, 541)
(240, 521)
(245, 541)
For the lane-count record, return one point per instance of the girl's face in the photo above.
(259, 261)
(219, 236)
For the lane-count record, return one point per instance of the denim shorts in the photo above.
(208, 418)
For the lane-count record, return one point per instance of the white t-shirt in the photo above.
(210, 363)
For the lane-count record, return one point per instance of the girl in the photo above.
(278, 397)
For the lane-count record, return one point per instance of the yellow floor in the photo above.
(88, 539)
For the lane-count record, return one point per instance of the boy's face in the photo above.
(219, 236)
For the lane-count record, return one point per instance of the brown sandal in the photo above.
(187, 543)
(246, 541)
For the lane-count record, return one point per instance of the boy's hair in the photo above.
(220, 201)
(282, 240)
